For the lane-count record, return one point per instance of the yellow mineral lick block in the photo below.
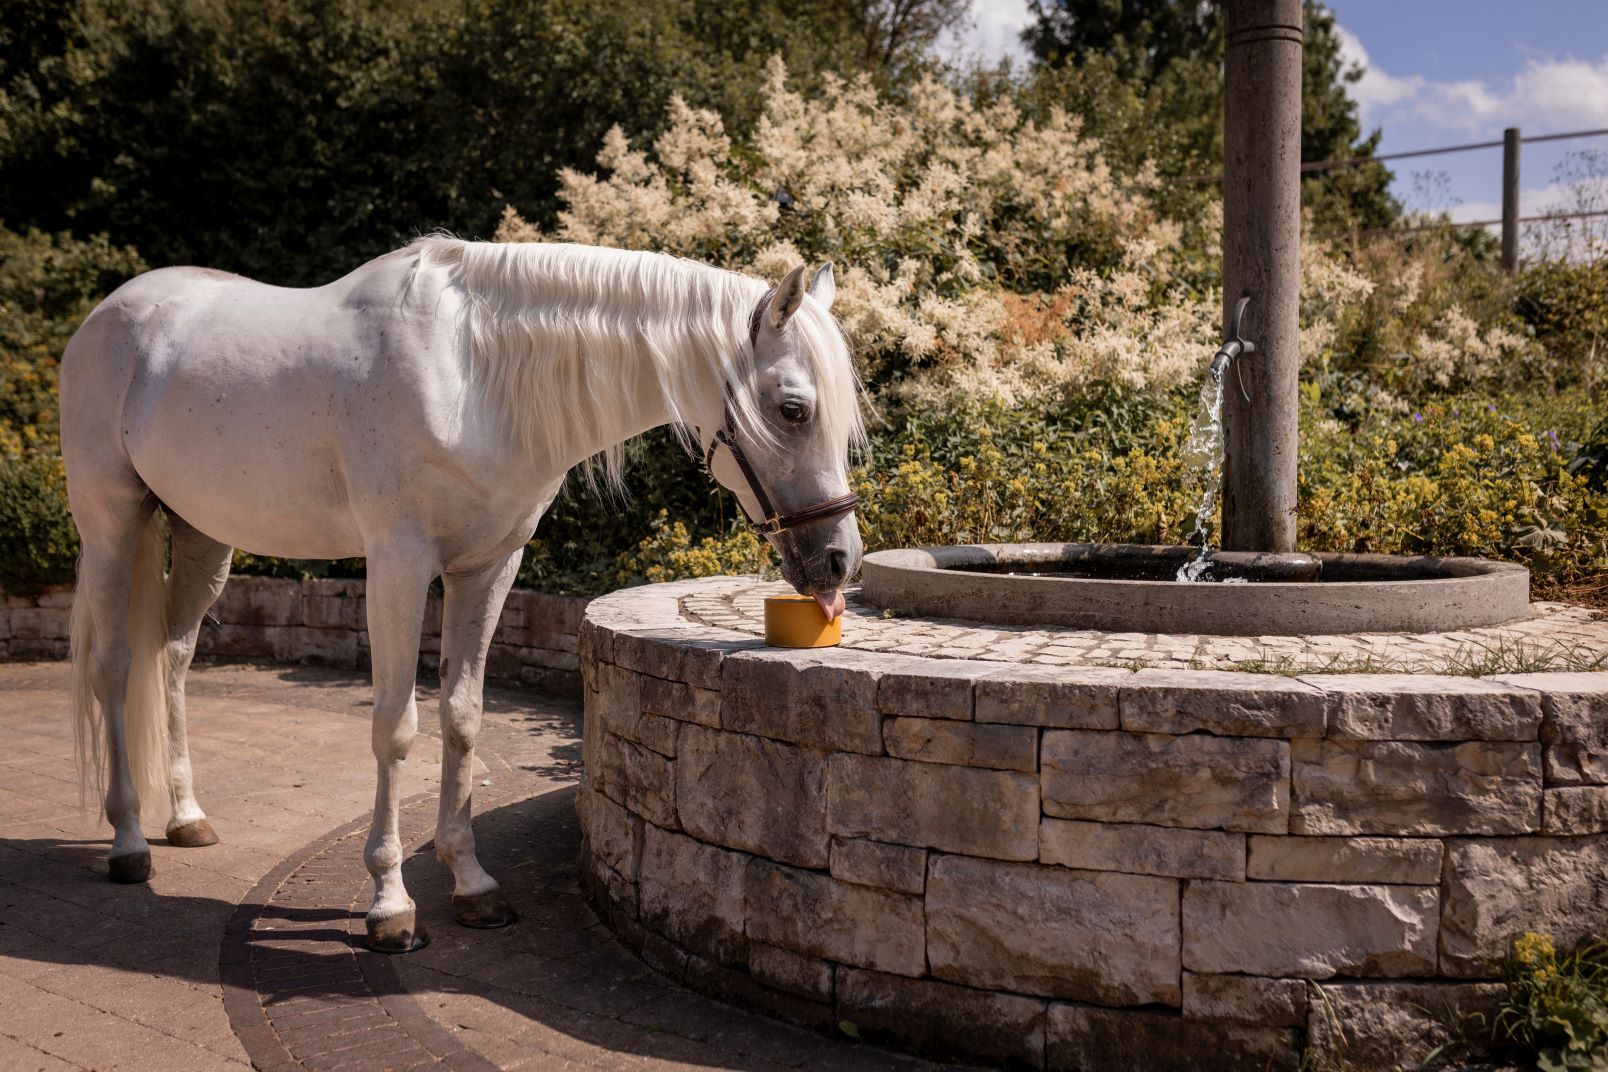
(798, 622)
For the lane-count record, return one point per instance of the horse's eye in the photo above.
(796, 412)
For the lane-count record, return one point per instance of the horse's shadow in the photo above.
(557, 967)
(560, 719)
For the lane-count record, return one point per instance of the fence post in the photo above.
(1510, 200)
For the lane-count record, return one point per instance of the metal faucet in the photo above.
(1234, 346)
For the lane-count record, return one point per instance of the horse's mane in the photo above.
(558, 334)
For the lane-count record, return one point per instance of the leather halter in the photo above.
(772, 523)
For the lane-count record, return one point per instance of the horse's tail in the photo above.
(145, 706)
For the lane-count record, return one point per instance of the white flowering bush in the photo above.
(979, 251)
(1435, 314)
(983, 253)
(1456, 350)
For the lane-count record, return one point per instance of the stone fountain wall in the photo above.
(1082, 868)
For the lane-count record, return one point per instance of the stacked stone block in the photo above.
(35, 627)
(324, 622)
(1082, 868)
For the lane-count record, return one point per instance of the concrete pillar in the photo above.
(1510, 200)
(1262, 258)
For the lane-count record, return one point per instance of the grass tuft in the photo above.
(1515, 656)
(1297, 665)
(1476, 659)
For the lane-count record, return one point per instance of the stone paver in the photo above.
(1552, 630)
(248, 952)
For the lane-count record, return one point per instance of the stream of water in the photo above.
(1203, 452)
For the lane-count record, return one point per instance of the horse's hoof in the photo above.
(192, 835)
(135, 867)
(487, 911)
(399, 934)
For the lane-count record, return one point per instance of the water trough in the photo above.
(1131, 588)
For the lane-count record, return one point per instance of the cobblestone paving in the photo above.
(247, 952)
(1554, 631)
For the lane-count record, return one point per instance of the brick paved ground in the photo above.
(245, 952)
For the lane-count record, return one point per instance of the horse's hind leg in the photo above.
(399, 574)
(112, 516)
(469, 613)
(200, 568)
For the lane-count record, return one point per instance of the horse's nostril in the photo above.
(837, 565)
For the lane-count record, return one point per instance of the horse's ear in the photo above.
(823, 286)
(789, 296)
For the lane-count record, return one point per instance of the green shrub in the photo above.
(1566, 304)
(1556, 1009)
(670, 552)
(1591, 461)
(298, 568)
(1487, 475)
(1438, 316)
(1103, 463)
(38, 543)
(48, 284)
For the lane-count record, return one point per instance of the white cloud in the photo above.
(1547, 95)
(1554, 197)
(1568, 93)
(1377, 90)
(992, 33)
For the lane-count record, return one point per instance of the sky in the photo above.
(1446, 72)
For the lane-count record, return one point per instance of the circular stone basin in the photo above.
(1130, 588)
(1076, 866)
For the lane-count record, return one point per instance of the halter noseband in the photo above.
(772, 523)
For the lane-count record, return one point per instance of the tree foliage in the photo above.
(290, 141)
(1152, 70)
(1148, 36)
(898, 35)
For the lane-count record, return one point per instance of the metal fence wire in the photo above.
(1510, 220)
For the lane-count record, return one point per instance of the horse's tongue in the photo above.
(831, 604)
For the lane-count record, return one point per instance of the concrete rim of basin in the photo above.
(1404, 594)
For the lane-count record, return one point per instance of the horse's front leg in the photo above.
(472, 604)
(398, 582)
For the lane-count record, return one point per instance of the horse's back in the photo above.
(184, 308)
(205, 382)
(139, 323)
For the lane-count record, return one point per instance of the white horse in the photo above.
(421, 412)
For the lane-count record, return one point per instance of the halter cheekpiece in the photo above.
(772, 523)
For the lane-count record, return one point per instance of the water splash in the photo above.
(1203, 452)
